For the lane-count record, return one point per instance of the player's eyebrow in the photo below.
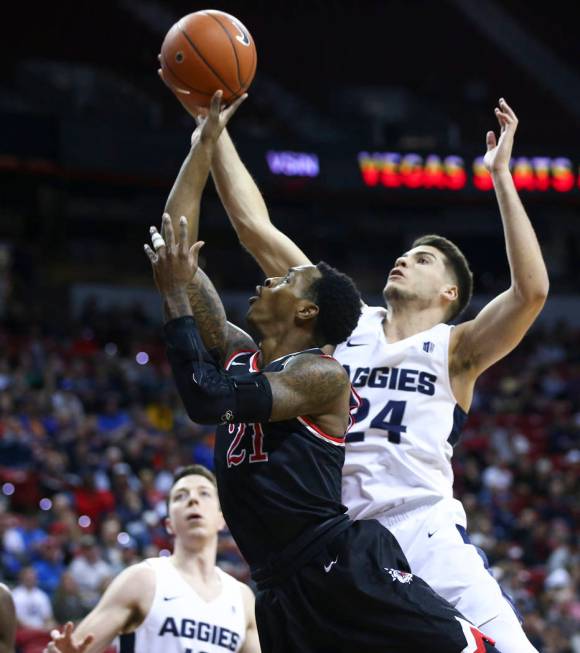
(424, 252)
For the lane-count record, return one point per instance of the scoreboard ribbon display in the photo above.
(409, 171)
(454, 173)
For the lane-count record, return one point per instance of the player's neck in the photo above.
(195, 562)
(273, 347)
(405, 321)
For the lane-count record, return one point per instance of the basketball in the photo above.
(206, 51)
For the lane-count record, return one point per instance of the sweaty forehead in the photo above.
(310, 271)
(305, 274)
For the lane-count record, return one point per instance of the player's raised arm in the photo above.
(122, 606)
(247, 211)
(239, 193)
(500, 325)
(185, 196)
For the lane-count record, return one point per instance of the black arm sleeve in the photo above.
(210, 394)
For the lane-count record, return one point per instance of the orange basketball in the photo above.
(206, 51)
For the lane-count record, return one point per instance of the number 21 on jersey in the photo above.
(237, 452)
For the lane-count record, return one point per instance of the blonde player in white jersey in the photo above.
(179, 604)
(415, 375)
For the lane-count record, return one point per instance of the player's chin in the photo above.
(391, 283)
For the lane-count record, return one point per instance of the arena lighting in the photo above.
(293, 164)
(436, 172)
(45, 504)
(142, 358)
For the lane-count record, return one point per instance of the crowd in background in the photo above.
(91, 432)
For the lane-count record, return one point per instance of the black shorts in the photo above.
(356, 595)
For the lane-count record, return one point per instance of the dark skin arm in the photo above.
(7, 621)
(187, 290)
(217, 333)
(184, 200)
(312, 386)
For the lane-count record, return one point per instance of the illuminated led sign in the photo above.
(293, 164)
(435, 172)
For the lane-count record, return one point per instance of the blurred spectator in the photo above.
(33, 607)
(90, 572)
(50, 565)
(67, 603)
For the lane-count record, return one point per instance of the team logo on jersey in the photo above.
(401, 576)
(428, 347)
(227, 417)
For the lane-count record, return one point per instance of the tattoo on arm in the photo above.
(209, 312)
(210, 316)
(309, 385)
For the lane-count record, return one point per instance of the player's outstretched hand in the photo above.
(211, 122)
(499, 152)
(64, 643)
(210, 126)
(174, 263)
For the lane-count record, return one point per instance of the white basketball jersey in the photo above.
(180, 621)
(398, 453)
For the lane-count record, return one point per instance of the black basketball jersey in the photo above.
(277, 480)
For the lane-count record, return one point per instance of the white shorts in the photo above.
(438, 553)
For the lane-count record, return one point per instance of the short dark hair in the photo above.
(456, 262)
(339, 305)
(190, 470)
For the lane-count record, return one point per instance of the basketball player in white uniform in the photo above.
(415, 376)
(179, 604)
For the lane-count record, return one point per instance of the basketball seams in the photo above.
(233, 48)
(186, 85)
(205, 61)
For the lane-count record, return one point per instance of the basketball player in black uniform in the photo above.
(324, 583)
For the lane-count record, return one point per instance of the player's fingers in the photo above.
(167, 231)
(214, 107)
(502, 117)
(151, 255)
(159, 245)
(229, 112)
(183, 237)
(505, 107)
(87, 641)
(68, 628)
(194, 249)
(490, 140)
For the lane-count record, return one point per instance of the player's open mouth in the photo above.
(396, 273)
(193, 516)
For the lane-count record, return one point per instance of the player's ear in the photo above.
(221, 521)
(306, 310)
(168, 527)
(450, 292)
